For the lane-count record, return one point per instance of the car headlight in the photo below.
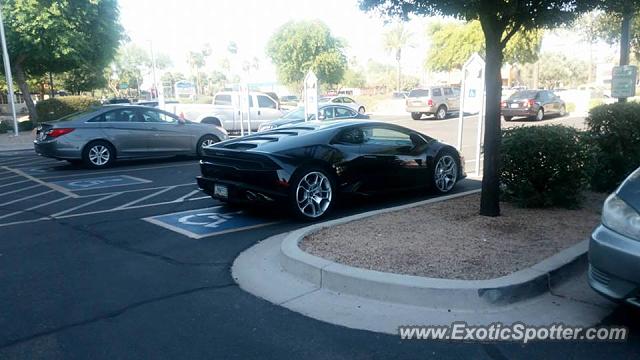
(618, 216)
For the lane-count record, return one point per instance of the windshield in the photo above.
(523, 95)
(297, 113)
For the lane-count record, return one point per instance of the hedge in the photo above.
(543, 166)
(614, 138)
(57, 107)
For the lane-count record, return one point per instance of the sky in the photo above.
(175, 27)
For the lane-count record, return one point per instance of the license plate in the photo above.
(416, 102)
(221, 190)
(514, 106)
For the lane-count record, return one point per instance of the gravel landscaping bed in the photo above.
(449, 239)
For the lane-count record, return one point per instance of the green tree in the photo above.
(58, 36)
(196, 61)
(297, 47)
(380, 76)
(84, 78)
(394, 40)
(500, 20)
(354, 78)
(453, 43)
(556, 70)
(607, 23)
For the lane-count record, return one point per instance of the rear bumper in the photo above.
(518, 112)
(240, 192)
(58, 149)
(421, 109)
(614, 265)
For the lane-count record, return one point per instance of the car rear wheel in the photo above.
(312, 193)
(416, 116)
(441, 114)
(563, 111)
(539, 115)
(508, 118)
(445, 172)
(205, 141)
(361, 110)
(98, 154)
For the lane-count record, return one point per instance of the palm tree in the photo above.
(395, 40)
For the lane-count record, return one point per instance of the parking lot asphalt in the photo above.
(133, 262)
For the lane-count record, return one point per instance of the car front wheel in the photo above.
(205, 141)
(445, 172)
(416, 115)
(312, 193)
(361, 110)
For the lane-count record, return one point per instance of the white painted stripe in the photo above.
(34, 207)
(144, 198)
(200, 198)
(143, 189)
(27, 163)
(14, 183)
(93, 173)
(26, 197)
(9, 177)
(21, 189)
(49, 185)
(182, 198)
(197, 236)
(83, 205)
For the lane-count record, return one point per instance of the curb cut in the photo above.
(422, 291)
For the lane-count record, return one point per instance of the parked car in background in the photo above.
(343, 100)
(614, 248)
(400, 94)
(100, 136)
(533, 104)
(326, 111)
(288, 102)
(226, 111)
(433, 100)
(310, 166)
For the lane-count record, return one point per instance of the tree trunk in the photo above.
(399, 78)
(625, 40)
(490, 198)
(24, 88)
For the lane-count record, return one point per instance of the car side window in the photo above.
(347, 100)
(153, 116)
(266, 102)
(352, 136)
(327, 113)
(448, 92)
(337, 100)
(436, 92)
(341, 113)
(386, 136)
(222, 99)
(121, 115)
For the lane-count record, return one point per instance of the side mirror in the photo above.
(181, 121)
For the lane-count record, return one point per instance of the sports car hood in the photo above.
(629, 191)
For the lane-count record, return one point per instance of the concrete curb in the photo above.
(421, 291)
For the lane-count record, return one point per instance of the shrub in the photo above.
(25, 125)
(614, 139)
(570, 107)
(543, 166)
(55, 108)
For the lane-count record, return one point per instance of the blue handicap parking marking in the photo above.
(100, 182)
(209, 221)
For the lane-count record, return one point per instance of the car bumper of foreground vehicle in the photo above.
(614, 265)
(236, 192)
(57, 149)
(519, 112)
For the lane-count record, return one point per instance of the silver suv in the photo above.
(433, 100)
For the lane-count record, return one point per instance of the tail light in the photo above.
(430, 102)
(503, 104)
(54, 133)
(531, 102)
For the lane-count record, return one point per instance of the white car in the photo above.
(343, 100)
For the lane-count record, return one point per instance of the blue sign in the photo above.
(100, 182)
(201, 223)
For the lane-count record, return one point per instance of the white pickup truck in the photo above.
(226, 111)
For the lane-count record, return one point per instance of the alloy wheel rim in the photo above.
(314, 194)
(446, 173)
(207, 142)
(442, 113)
(99, 155)
(540, 115)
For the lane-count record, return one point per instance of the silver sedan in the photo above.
(100, 136)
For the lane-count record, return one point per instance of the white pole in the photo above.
(481, 116)
(7, 73)
(249, 111)
(463, 91)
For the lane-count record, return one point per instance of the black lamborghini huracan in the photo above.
(309, 165)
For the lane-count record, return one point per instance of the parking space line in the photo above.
(34, 207)
(27, 163)
(10, 177)
(58, 214)
(49, 185)
(26, 197)
(14, 183)
(118, 171)
(21, 189)
(182, 198)
(143, 189)
(144, 198)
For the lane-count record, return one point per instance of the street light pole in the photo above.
(7, 73)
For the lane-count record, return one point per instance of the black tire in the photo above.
(361, 110)
(444, 187)
(206, 140)
(98, 154)
(508, 118)
(416, 116)
(563, 111)
(294, 195)
(539, 115)
(441, 113)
